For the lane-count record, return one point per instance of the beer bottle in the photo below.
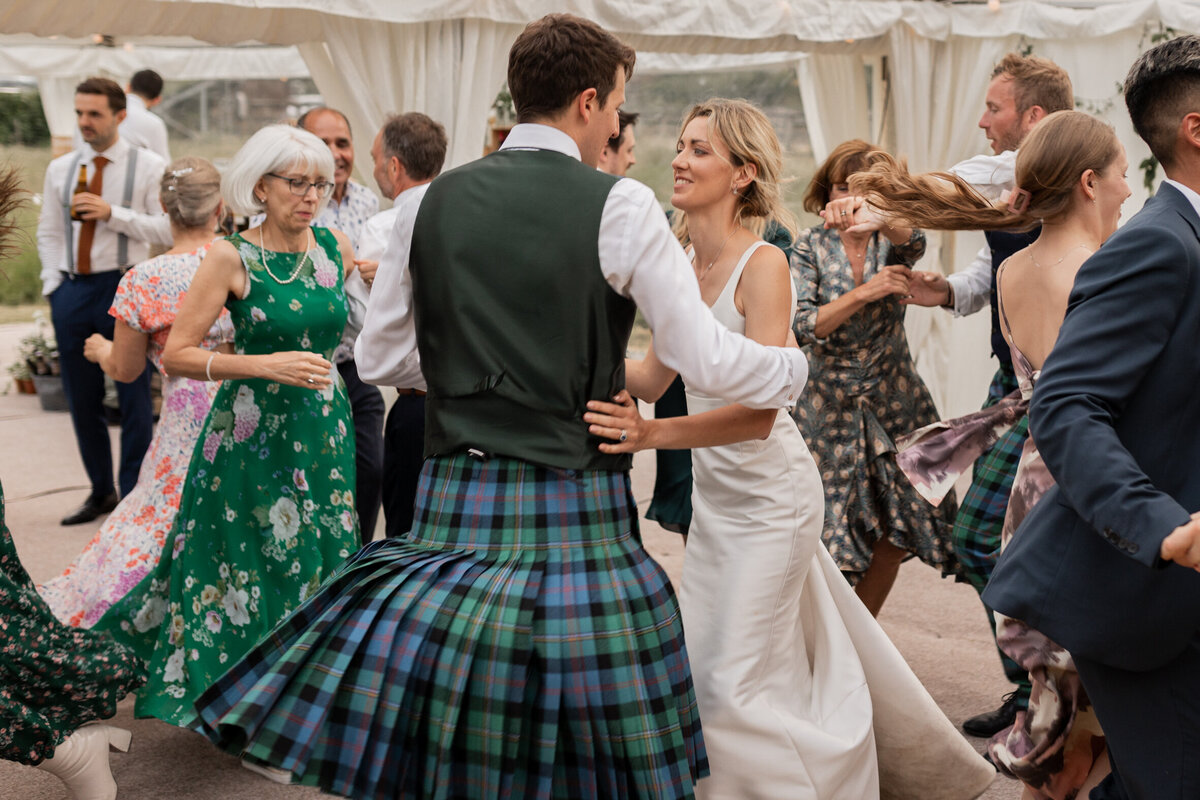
(81, 185)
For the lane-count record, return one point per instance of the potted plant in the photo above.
(21, 376)
(39, 352)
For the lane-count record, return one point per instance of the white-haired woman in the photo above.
(127, 547)
(268, 506)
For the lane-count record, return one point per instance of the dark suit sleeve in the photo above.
(1123, 309)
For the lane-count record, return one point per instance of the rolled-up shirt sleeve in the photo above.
(641, 259)
(993, 176)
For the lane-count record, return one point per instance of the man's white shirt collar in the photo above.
(534, 136)
(113, 153)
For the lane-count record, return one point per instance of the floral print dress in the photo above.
(130, 542)
(268, 506)
(52, 678)
(863, 393)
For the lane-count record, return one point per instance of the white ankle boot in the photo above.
(81, 761)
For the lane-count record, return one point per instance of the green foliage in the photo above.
(20, 276)
(1149, 168)
(22, 120)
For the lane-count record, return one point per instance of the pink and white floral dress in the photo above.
(129, 543)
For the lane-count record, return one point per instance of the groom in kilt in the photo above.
(518, 642)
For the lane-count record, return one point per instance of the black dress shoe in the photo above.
(990, 723)
(91, 508)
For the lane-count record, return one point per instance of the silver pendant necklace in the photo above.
(299, 261)
(700, 275)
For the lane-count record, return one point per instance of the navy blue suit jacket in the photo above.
(1116, 417)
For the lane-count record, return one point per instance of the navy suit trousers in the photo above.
(367, 407)
(403, 457)
(79, 308)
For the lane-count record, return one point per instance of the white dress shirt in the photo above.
(640, 260)
(994, 177)
(143, 128)
(375, 234)
(143, 223)
(350, 217)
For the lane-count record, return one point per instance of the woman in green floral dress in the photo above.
(268, 508)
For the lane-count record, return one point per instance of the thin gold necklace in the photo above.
(701, 275)
(860, 254)
(1029, 252)
(299, 261)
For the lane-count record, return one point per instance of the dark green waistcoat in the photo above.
(516, 326)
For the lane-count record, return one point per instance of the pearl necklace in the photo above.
(701, 275)
(1029, 252)
(299, 262)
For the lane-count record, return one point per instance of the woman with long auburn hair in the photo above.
(800, 692)
(1070, 175)
(864, 390)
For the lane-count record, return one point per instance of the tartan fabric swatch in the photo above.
(980, 519)
(519, 642)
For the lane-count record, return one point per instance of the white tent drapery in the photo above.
(59, 64)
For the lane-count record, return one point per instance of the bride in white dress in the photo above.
(801, 693)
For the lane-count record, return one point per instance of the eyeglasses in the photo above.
(300, 186)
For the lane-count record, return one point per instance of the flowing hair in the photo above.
(1050, 162)
(748, 135)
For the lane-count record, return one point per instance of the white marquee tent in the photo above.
(59, 63)
(932, 60)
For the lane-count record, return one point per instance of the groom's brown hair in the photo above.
(560, 56)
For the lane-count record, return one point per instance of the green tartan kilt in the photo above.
(519, 642)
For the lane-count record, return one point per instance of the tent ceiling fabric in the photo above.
(180, 59)
(701, 26)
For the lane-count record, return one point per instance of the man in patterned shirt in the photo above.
(348, 210)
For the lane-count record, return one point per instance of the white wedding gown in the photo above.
(801, 694)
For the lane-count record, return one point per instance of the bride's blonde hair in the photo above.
(748, 135)
(1050, 162)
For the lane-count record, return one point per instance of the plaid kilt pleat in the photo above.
(980, 519)
(519, 642)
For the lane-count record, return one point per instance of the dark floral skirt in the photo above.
(52, 678)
